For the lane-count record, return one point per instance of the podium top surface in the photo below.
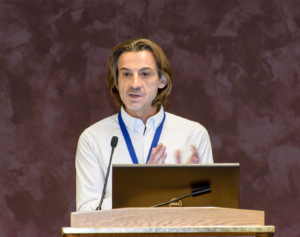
(167, 217)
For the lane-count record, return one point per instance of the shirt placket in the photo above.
(138, 127)
(147, 139)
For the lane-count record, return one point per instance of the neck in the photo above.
(141, 114)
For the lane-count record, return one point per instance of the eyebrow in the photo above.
(146, 68)
(142, 69)
(124, 69)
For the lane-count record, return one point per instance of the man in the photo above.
(140, 79)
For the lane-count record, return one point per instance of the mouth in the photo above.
(134, 96)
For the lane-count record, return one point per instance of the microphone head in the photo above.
(114, 141)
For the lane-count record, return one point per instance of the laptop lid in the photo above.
(147, 185)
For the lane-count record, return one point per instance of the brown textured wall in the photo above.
(236, 66)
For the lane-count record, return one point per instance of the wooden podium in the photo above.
(169, 221)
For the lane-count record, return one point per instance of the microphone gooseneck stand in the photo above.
(114, 142)
(194, 193)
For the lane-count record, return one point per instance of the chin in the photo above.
(134, 107)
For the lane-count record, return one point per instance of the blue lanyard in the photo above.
(129, 143)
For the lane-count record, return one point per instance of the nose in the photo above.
(135, 81)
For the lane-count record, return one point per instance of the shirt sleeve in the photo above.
(89, 177)
(204, 146)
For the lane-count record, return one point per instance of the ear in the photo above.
(162, 82)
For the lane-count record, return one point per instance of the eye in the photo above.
(145, 74)
(126, 74)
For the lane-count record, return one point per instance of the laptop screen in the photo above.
(148, 185)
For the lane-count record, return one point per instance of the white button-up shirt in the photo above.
(93, 150)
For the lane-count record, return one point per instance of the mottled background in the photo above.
(236, 67)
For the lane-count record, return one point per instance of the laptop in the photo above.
(147, 185)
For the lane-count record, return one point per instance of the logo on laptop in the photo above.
(175, 204)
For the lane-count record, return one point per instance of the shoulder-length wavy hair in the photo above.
(136, 45)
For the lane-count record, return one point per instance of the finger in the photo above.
(178, 156)
(195, 150)
(153, 152)
(156, 154)
(159, 154)
(196, 156)
(162, 159)
(194, 159)
(156, 149)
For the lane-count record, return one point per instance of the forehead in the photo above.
(137, 60)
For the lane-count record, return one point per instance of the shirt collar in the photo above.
(137, 125)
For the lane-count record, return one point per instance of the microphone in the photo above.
(113, 143)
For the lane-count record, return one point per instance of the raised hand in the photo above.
(158, 155)
(194, 159)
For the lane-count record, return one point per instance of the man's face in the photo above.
(138, 81)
